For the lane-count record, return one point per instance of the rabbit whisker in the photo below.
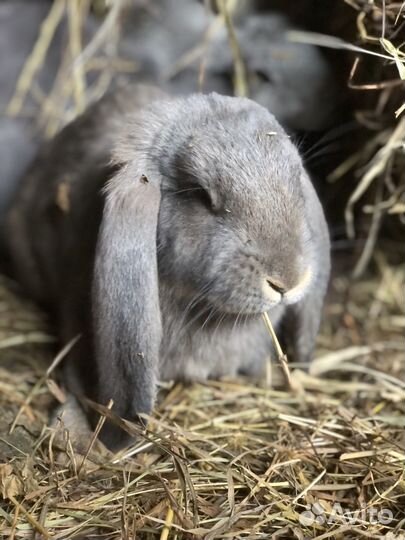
(327, 150)
(184, 329)
(237, 325)
(197, 298)
(235, 322)
(176, 192)
(220, 320)
(215, 311)
(191, 305)
(211, 314)
(329, 137)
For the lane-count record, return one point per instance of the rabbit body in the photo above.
(160, 229)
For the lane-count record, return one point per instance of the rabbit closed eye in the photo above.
(208, 220)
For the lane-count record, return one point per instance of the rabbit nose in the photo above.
(273, 289)
(277, 285)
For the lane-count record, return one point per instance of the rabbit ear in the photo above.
(125, 301)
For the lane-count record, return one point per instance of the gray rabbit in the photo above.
(294, 81)
(159, 229)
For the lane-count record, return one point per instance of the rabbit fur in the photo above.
(160, 229)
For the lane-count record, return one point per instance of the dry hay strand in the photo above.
(222, 459)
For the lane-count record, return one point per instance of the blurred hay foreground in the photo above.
(235, 459)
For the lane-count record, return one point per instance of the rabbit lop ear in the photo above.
(125, 301)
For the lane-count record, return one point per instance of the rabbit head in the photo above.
(230, 223)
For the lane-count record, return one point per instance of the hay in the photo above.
(232, 458)
(223, 459)
(378, 166)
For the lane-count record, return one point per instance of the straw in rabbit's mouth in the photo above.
(281, 356)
